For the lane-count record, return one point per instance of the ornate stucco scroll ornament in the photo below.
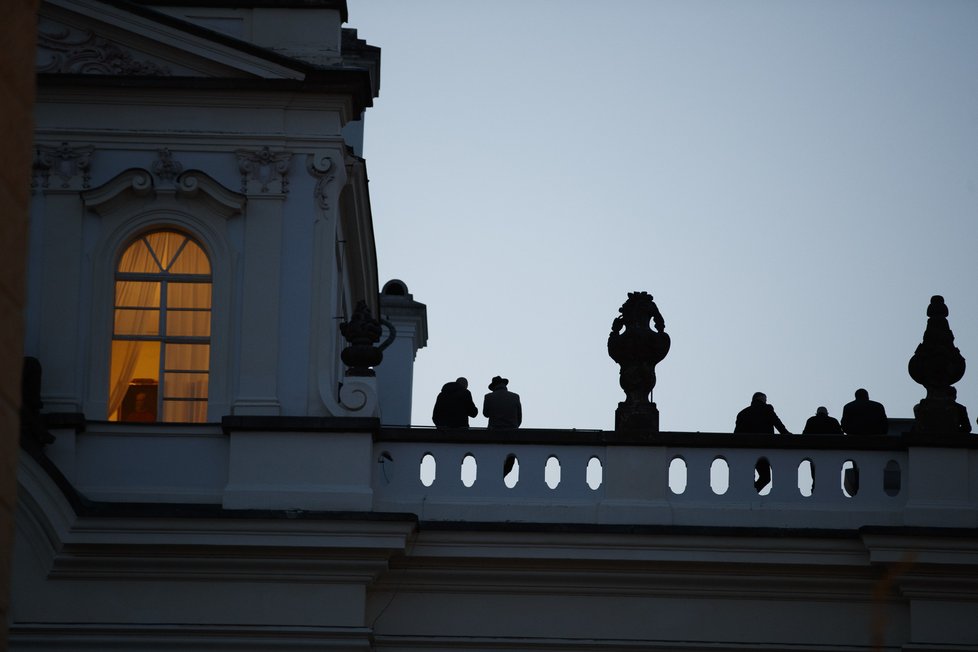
(165, 167)
(937, 364)
(321, 166)
(62, 50)
(263, 167)
(64, 162)
(637, 349)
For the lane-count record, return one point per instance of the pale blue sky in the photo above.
(792, 181)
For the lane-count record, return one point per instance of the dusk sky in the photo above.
(792, 181)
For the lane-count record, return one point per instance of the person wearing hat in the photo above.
(501, 406)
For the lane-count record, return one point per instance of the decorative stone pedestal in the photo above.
(936, 415)
(636, 418)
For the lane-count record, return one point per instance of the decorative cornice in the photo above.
(62, 50)
(198, 185)
(192, 184)
(138, 182)
(263, 167)
(63, 161)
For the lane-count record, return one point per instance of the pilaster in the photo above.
(257, 388)
(60, 272)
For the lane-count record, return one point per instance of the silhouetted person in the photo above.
(760, 418)
(964, 421)
(822, 424)
(454, 405)
(863, 416)
(501, 406)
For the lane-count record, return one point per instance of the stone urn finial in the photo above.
(362, 332)
(937, 364)
(637, 349)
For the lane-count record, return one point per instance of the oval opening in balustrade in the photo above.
(677, 475)
(891, 478)
(594, 473)
(806, 478)
(763, 476)
(427, 469)
(850, 479)
(551, 472)
(469, 470)
(511, 471)
(719, 476)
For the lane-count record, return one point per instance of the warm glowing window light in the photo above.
(161, 331)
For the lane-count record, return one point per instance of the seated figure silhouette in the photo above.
(863, 416)
(501, 406)
(822, 424)
(760, 418)
(454, 405)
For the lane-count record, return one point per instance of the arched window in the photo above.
(161, 331)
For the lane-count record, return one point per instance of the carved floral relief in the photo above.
(64, 162)
(165, 167)
(64, 50)
(264, 167)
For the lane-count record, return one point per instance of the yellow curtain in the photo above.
(125, 353)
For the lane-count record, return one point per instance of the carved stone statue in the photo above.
(937, 364)
(637, 350)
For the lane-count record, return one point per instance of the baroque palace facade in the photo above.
(201, 470)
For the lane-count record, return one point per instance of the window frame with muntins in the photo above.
(162, 309)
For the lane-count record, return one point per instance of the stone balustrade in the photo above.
(831, 482)
(529, 476)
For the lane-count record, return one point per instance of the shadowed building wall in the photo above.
(17, 31)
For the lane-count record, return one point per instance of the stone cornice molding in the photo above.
(137, 183)
(336, 5)
(235, 545)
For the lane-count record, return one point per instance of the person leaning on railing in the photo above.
(760, 418)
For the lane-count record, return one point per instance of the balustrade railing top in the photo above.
(893, 441)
